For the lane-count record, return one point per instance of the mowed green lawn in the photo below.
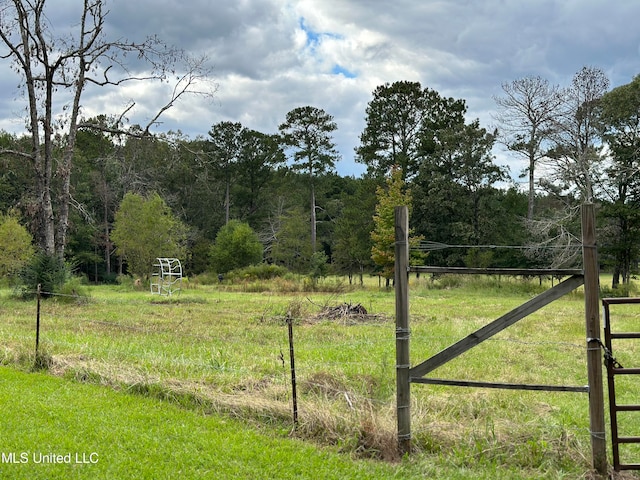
(63, 430)
(200, 384)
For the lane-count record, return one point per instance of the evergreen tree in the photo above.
(352, 248)
(402, 119)
(224, 139)
(308, 131)
(260, 156)
(453, 190)
(620, 119)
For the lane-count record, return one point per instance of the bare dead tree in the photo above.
(576, 158)
(571, 166)
(55, 72)
(552, 243)
(272, 226)
(525, 117)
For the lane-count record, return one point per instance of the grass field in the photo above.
(219, 355)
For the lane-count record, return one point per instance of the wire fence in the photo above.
(307, 368)
(350, 382)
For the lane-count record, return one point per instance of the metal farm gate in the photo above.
(588, 276)
(614, 369)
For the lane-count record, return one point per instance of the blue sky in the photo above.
(314, 43)
(270, 56)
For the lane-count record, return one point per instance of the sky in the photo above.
(268, 57)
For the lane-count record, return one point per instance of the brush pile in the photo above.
(347, 314)
(344, 310)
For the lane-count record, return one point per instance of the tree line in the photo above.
(444, 162)
(74, 182)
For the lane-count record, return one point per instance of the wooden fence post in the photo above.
(594, 355)
(403, 381)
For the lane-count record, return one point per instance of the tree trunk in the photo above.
(107, 238)
(313, 219)
(50, 65)
(626, 267)
(45, 223)
(95, 265)
(226, 204)
(532, 190)
(64, 173)
(476, 218)
(615, 282)
(67, 159)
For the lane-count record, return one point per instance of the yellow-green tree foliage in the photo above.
(16, 245)
(392, 195)
(145, 229)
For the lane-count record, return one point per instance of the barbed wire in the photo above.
(354, 401)
(433, 246)
(55, 294)
(417, 338)
(172, 329)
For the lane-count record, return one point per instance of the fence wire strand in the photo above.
(307, 374)
(428, 246)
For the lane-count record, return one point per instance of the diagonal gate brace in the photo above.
(496, 326)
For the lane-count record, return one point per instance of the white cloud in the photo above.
(270, 56)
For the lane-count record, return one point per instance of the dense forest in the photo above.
(582, 141)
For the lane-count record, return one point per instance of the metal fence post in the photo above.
(38, 297)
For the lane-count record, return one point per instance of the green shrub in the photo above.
(319, 266)
(130, 283)
(74, 291)
(622, 291)
(236, 246)
(263, 271)
(445, 282)
(328, 286)
(110, 278)
(205, 278)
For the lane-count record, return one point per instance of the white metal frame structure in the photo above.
(167, 279)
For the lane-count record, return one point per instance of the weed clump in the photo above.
(42, 361)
